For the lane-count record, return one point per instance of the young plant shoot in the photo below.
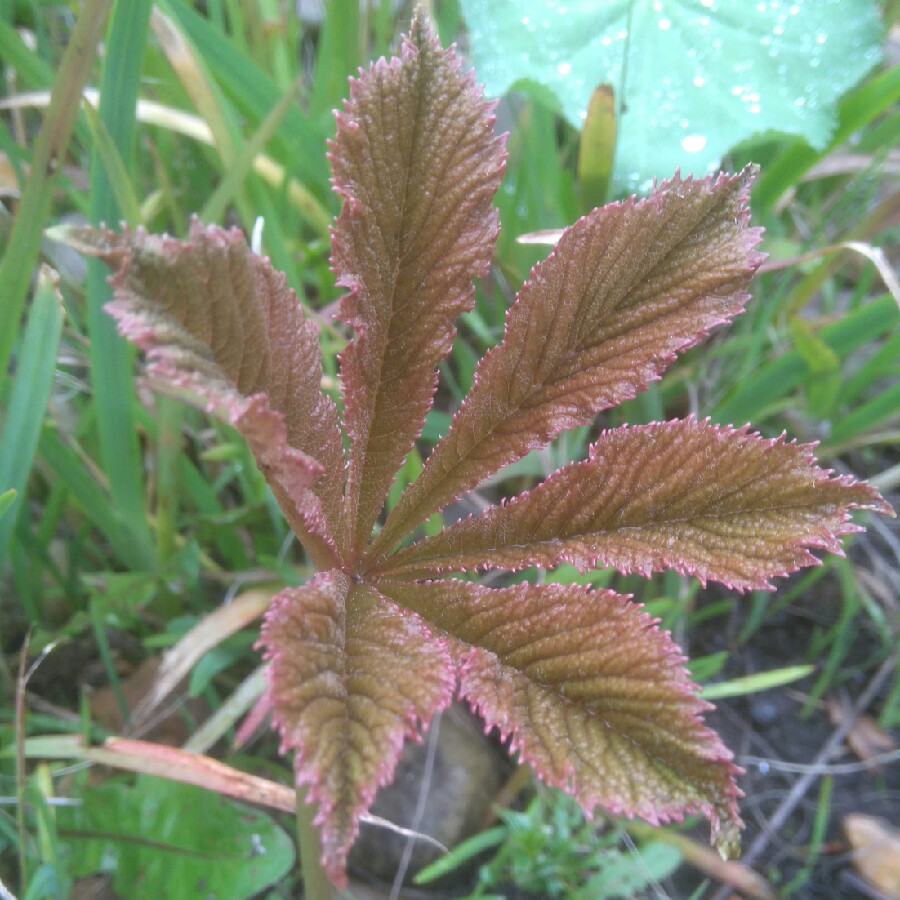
(583, 683)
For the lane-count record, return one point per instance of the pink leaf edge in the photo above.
(337, 840)
(724, 817)
(825, 537)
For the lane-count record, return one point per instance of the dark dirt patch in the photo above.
(772, 727)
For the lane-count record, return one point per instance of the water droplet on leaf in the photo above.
(693, 143)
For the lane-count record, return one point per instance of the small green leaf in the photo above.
(44, 883)
(167, 839)
(624, 875)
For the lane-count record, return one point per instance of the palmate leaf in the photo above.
(593, 694)
(417, 164)
(718, 503)
(350, 677)
(584, 684)
(624, 290)
(222, 327)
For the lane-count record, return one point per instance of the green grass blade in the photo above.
(213, 106)
(751, 684)
(18, 261)
(242, 164)
(295, 142)
(29, 67)
(98, 625)
(337, 58)
(111, 366)
(124, 197)
(883, 363)
(92, 498)
(168, 451)
(29, 396)
(778, 377)
(7, 498)
(816, 840)
(460, 854)
(882, 407)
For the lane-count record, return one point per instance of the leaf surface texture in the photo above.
(623, 291)
(718, 503)
(593, 694)
(417, 164)
(222, 328)
(350, 678)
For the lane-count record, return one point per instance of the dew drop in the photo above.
(665, 24)
(693, 143)
(564, 68)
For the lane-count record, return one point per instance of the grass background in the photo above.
(126, 518)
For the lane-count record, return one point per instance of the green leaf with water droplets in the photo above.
(695, 77)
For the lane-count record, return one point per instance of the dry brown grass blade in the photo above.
(205, 635)
(865, 738)
(180, 122)
(729, 872)
(876, 851)
(874, 254)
